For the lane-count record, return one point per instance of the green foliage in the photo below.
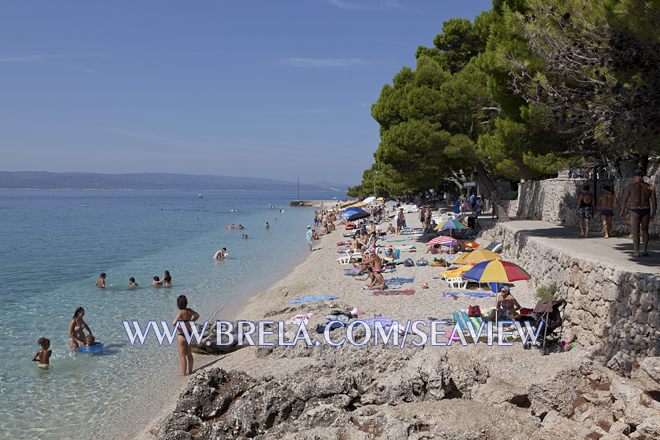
(514, 94)
(546, 292)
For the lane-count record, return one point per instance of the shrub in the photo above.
(547, 292)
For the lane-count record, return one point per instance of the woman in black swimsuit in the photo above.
(185, 317)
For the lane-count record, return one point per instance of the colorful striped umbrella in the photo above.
(449, 225)
(477, 256)
(496, 272)
(442, 240)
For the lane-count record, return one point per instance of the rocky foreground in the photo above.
(430, 393)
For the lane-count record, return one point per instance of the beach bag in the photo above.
(409, 263)
(474, 311)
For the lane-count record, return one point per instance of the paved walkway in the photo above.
(618, 251)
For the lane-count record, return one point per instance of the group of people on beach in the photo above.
(639, 201)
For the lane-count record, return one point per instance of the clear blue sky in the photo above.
(270, 88)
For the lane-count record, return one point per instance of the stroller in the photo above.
(545, 319)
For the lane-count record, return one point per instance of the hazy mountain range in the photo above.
(152, 181)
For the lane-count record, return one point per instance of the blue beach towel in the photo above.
(312, 298)
(399, 280)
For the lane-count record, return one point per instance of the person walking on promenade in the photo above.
(641, 201)
(606, 204)
(585, 210)
(309, 235)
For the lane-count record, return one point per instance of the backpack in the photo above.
(409, 262)
(474, 311)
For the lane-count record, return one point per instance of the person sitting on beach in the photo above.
(377, 282)
(156, 282)
(43, 355)
(77, 328)
(221, 254)
(167, 279)
(101, 281)
(390, 229)
(184, 317)
(435, 249)
(507, 305)
(132, 283)
(315, 235)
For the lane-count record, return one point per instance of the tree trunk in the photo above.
(496, 200)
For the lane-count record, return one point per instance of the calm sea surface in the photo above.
(53, 244)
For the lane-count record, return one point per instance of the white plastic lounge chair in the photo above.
(457, 283)
(349, 258)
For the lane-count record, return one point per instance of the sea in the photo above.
(54, 244)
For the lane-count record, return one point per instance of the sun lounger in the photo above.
(349, 258)
(457, 283)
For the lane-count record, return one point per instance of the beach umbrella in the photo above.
(471, 244)
(348, 203)
(477, 256)
(369, 200)
(449, 225)
(358, 215)
(496, 272)
(442, 240)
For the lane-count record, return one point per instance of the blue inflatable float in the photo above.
(91, 348)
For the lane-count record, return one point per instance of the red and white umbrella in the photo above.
(442, 241)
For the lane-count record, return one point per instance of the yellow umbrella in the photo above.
(349, 203)
(359, 205)
(477, 256)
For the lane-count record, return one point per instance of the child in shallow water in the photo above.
(43, 355)
(132, 283)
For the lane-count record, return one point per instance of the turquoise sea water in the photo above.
(53, 244)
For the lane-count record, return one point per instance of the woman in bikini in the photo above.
(585, 210)
(606, 209)
(185, 317)
(77, 329)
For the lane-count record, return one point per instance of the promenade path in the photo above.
(616, 250)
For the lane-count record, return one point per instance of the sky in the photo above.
(259, 88)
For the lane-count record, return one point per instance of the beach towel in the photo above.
(394, 292)
(312, 298)
(388, 271)
(298, 319)
(470, 294)
(399, 280)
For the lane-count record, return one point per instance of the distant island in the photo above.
(152, 181)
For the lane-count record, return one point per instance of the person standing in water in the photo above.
(132, 283)
(184, 318)
(101, 281)
(77, 328)
(156, 282)
(167, 279)
(267, 226)
(43, 355)
(641, 201)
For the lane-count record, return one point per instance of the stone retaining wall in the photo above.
(614, 313)
(555, 201)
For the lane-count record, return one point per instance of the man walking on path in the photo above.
(642, 200)
(309, 238)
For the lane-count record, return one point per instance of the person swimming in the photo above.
(132, 283)
(77, 329)
(267, 225)
(101, 281)
(43, 355)
(156, 282)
